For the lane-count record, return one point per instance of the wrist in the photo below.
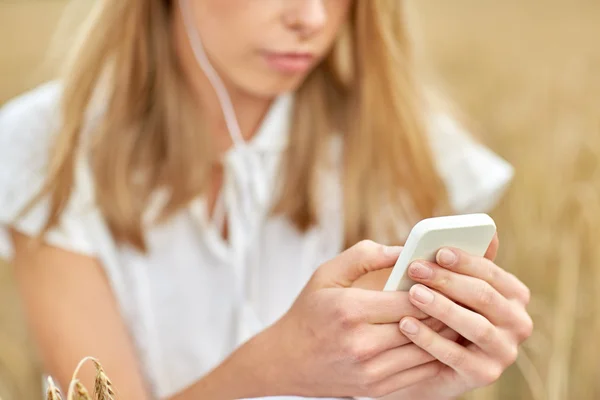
(249, 372)
(255, 369)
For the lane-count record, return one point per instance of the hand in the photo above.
(484, 304)
(338, 341)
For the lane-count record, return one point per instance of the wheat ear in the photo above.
(81, 392)
(103, 389)
(52, 393)
(76, 389)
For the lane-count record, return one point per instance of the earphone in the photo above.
(238, 141)
(199, 52)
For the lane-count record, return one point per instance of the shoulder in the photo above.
(28, 124)
(34, 112)
(475, 176)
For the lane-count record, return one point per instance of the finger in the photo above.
(472, 326)
(403, 357)
(360, 259)
(379, 307)
(384, 337)
(446, 351)
(492, 250)
(479, 267)
(474, 293)
(434, 324)
(404, 379)
(400, 380)
(474, 366)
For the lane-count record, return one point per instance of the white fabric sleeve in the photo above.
(475, 177)
(27, 125)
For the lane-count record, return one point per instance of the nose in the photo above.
(307, 17)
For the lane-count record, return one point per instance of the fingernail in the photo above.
(392, 251)
(446, 257)
(420, 271)
(421, 294)
(409, 327)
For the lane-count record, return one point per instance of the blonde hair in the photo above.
(367, 89)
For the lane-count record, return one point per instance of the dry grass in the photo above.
(525, 72)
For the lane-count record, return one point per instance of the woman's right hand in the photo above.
(337, 341)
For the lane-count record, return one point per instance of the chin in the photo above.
(273, 86)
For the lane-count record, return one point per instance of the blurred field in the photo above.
(526, 75)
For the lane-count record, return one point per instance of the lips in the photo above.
(289, 62)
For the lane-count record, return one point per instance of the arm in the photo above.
(73, 314)
(333, 342)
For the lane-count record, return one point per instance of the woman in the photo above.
(209, 155)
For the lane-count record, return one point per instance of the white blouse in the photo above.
(193, 298)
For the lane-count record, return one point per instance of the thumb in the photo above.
(358, 260)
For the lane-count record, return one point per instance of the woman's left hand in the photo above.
(480, 301)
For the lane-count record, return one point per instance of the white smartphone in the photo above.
(472, 233)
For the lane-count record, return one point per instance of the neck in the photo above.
(249, 109)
